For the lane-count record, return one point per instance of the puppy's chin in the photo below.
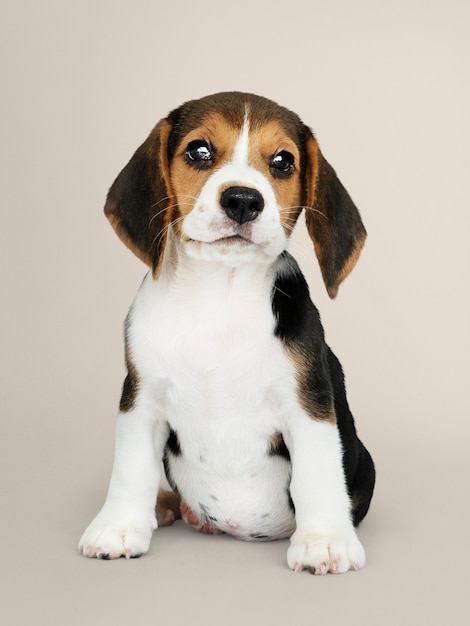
(231, 251)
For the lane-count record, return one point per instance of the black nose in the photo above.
(242, 204)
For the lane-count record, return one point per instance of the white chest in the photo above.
(211, 352)
(210, 361)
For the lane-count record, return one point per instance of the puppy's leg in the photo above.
(125, 524)
(325, 539)
(167, 508)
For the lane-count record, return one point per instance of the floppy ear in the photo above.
(333, 221)
(137, 201)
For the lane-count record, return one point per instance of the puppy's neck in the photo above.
(180, 269)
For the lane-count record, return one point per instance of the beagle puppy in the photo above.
(229, 380)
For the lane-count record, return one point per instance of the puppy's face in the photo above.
(237, 188)
(229, 175)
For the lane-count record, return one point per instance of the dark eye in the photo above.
(282, 164)
(199, 154)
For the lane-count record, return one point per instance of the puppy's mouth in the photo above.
(236, 240)
(233, 240)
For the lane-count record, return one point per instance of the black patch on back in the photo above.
(358, 465)
(297, 318)
(321, 381)
(299, 327)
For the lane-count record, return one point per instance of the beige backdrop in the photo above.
(385, 87)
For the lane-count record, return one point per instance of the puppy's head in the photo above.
(228, 176)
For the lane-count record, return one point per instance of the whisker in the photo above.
(160, 212)
(306, 208)
(286, 218)
(184, 195)
(289, 226)
(310, 208)
(161, 232)
(283, 292)
(171, 206)
(163, 199)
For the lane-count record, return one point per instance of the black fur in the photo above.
(299, 327)
(279, 448)
(173, 443)
(172, 448)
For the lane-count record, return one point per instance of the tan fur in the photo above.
(167, 508)
(164, 132)
(265, 141)
(188, 182)
(303, 368)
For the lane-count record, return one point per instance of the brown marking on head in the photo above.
(158, 187)
(267, 140)
(187, 181)
(273, 129)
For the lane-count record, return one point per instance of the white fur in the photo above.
(210, 368)
(325, 539)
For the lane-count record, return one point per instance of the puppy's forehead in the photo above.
(228, 112)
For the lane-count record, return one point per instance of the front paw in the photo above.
(113, 536)
(320, 553)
